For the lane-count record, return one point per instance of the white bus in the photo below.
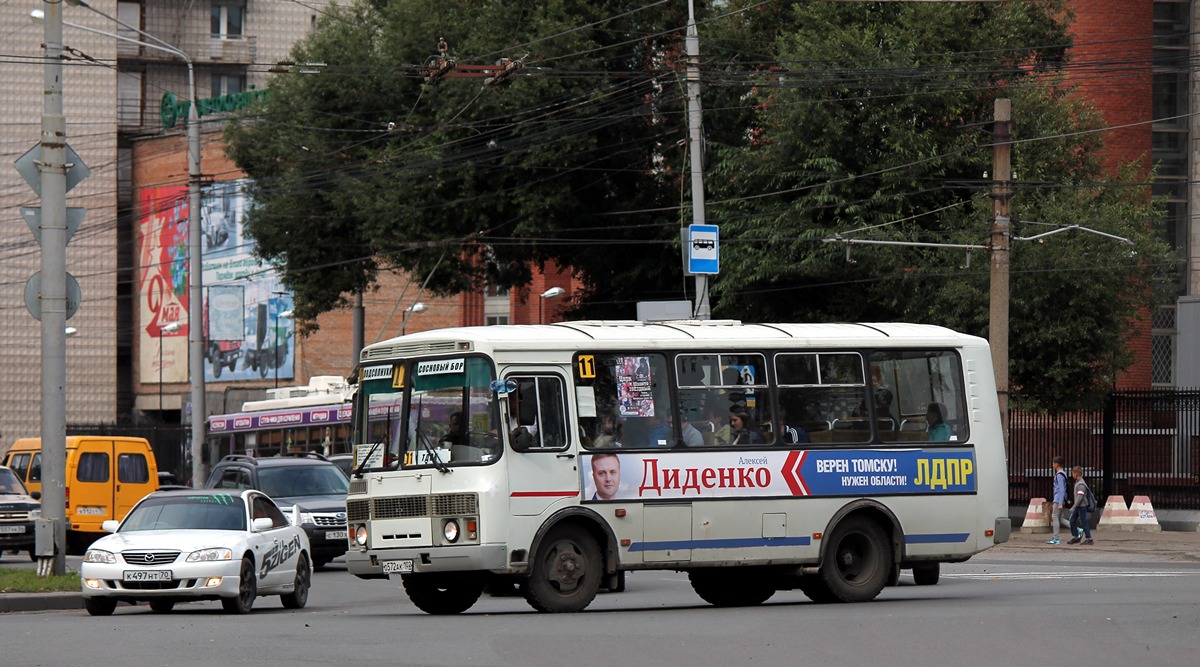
(310, 418)
(754, 457)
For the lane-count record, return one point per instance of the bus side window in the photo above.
(538, 413)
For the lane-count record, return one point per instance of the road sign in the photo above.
(703, 249)
(33, 295)
(33, 218)
(27, 166)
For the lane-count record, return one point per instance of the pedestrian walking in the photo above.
(1059, 498)
(1081, 530)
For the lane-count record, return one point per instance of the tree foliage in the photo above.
(864, 120)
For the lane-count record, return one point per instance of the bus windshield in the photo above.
(428, 413)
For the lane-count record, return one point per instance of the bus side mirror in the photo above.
(522, 440)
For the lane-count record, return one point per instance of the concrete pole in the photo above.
(54, 288)
(195, 288)
(702, 309)
(357, 331)
(1000, 243)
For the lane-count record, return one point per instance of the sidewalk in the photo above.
(1165, 546)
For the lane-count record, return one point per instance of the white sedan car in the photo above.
(199, 544)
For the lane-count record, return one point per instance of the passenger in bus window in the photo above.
(744, 429)
(939, 430)
(724, 432)
(661, 432)
(610, 432)
(791, 433)
(691, 436)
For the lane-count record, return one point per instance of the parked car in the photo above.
(308, 480)
(185, 545)
(18, 509)
(343, 461)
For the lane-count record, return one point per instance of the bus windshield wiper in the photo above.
(423, 439)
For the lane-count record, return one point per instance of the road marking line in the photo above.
(1073, 575)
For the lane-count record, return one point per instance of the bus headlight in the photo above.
(360, 536)
(450, 530)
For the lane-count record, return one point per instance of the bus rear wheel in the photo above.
(858, 561)
(723, 588)
(565, 575)
(443, 594)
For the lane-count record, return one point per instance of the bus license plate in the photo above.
(147, 575)
(12, 529)
(335, 534)
(397, 566)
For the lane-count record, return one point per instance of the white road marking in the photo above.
(1103, 574)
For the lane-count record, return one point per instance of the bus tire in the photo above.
(725, 588)
(815, 589)
(927, 574)
(859, 558)
(565, 575)
(443, 594)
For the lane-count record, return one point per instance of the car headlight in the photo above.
(360, 536)
(214, 553)
(450, 530)
(307, 518)
(35, 514)
(99, 556)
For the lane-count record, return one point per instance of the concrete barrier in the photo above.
(1116, 515)
(1036, 518)
(1144, 520)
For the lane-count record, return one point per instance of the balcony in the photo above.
(202, 47)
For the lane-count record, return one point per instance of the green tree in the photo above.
(868, 120)
(367, 167)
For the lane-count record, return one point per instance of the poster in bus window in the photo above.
(635, 386)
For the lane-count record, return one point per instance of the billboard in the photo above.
(247, 327)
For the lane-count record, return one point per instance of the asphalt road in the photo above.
(1008, 608)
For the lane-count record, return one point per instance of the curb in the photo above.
(15, 602)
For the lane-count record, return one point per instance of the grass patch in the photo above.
(21, 580)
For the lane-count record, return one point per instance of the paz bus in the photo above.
(315, 417)
(754, 457)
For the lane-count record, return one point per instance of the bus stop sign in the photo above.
(703, 248)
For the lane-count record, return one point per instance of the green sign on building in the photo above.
(173, 110)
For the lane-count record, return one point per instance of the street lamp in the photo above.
(287, 315)
(195, 270)
(169, 328)
(552, 293)
(418, 307)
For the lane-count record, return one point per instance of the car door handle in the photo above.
(565, 456)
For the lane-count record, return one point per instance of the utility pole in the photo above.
(53, 167)
(702, 309)
(1000, 243)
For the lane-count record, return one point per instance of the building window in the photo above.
(228, 84)
(1163, 334)
(493, 320)
(226, 20)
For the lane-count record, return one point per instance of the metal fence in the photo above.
(167, 440)
(1142, 443)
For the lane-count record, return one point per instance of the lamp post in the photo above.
(286, 315)
(552, 293)
(418, 307)
(195, 269)
(169, 328)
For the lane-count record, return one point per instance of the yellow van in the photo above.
(106, 475)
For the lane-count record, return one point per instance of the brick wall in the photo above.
(1111, 65)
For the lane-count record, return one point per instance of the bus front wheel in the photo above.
(565, 575)
(443, 594)
(857, 562)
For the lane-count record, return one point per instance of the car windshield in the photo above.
(308, 480)
(10, 484)
(218, 511)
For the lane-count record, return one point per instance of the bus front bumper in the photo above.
(380, 563)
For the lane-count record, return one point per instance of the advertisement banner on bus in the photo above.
(845, 472)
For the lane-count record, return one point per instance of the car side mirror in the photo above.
(262, 524)
(36, 495)
(522, 439)
(110, 526)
